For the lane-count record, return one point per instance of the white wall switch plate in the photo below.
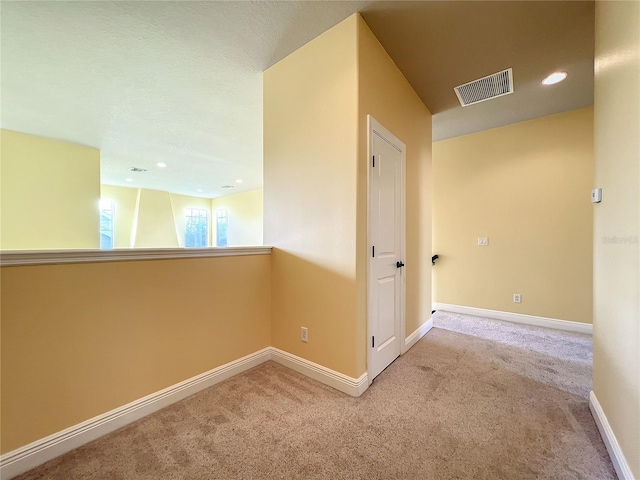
(596, 195)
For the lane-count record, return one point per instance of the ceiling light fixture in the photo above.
(238, 181)
(161, 165)
(138, 169)
(199, 190)
(227, 186)
(555, 77)
(129, 179)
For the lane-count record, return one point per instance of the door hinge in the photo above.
(373, 342)
(373, 251)
(374, 161)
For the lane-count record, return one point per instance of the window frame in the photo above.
(198, 213)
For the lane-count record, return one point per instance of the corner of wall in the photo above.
(310, 158)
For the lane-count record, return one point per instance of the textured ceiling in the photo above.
(181, 82)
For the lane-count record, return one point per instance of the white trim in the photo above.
(567, 325)
(11, 258)
(611, 442)
(373, 126)
(420, 332)
(36, 453)
(349, 385)
(25, 458)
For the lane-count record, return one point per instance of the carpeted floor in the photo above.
(555, 343)
(565, 358)
(456, 406)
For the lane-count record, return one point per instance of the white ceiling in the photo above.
(181, 82)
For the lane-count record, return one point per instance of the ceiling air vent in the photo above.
(485, 88)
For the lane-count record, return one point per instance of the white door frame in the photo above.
(374, 126)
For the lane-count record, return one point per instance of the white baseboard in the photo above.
(36, 453)
(25, 458)
(420, 332)
(611, 442)
(518, 318)
(349, 385)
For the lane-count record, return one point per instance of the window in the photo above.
(196, 227)
(106, 224)
(222, 223)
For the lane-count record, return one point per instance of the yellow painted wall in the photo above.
(310, 178)
(316, 103)
(157, 220)
(155, 225)
(49, 193)
(527, 188)
(79, 340)
(385, 94)
(616, 329)
(245, 217)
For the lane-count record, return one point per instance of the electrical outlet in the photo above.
(483, 241)
(304, 334)
(517, 298)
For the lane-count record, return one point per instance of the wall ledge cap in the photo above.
(14, 258)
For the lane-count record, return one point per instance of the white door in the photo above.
(386, 241)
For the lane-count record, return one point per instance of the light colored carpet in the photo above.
(576, 347)
(454, 407)
(558, 358)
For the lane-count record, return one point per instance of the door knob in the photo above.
(399, 264)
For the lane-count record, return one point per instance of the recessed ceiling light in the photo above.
(555, 77)
(200, 190)
(238, 181)
(129, 179)
(161, 165)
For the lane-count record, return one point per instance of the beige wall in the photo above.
(79, 340)
(316, 103)
(155, 224)
(146, 218)
(49, 193)
(616, 338)
(245, 218)
(310, 148)
(385, 94)
(527, 188)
